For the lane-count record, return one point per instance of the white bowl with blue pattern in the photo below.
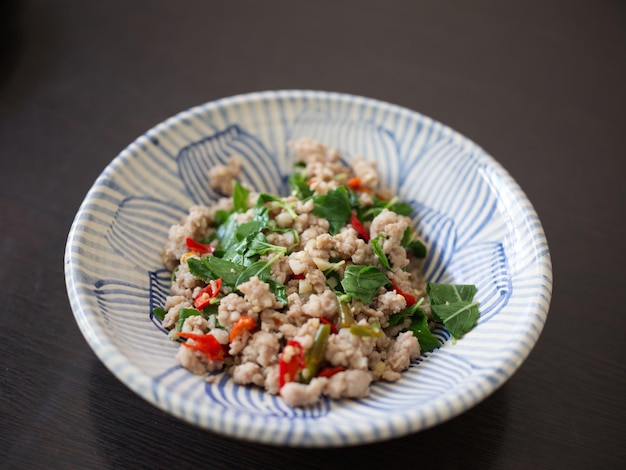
(479, 225)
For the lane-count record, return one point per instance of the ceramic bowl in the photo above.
(480, 227)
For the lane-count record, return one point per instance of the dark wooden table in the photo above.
(540, 85)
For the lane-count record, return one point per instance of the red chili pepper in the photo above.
(330, 371)
(206, 344)
(291, 362)
(244, 323)
(201, 248)
(204, 297)
(358, 226)
(354, 183)
(298, 276)
(410, 299)
(333, 328)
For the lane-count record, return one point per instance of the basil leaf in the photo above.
(448, 293)
(185, 313)
(452, 305)
(240, 197)
(398, 318)
(213, 267)
(378, 251)
(256, 224)
(417, 249)
(264, 198)
(260, 269)
(401, 208)
(458, 317)
(333, 206)
(258, 245)
(236, 253)
(377, 206)
(220, 217)
(159, 312)
(419, 327)
(199, 270)
(363, 282)
(299, 186)
(279, 290)
(211, 309)
(412, 245)
(355, 202)
(227, 233)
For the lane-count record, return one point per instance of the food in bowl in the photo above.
(316, 294)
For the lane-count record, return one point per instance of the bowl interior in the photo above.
(479, 226)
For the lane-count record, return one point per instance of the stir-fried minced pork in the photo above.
(310, 295)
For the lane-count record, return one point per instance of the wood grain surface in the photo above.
(540, 85)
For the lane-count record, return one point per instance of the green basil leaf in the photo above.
(236, 253)
(159, 312)
(185, 313)
(213, 267)
(412, 245)
(333, 206)
(260, 269)
(211, 309)
(398, 318)
(279, 290)
(299, 186)
(419, 327)
(199, 270)
(264, 198)
(259, 222)
(449, 293)
(363, 282)
(377, 206)
(240, 197)
(227, 233)
(458, 317)
(258, 245)
(417, 249)
(355, 202)
(401, 208)
(220, 217)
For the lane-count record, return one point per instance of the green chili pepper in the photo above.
(346, 318)
(364, 330)
(315, 356)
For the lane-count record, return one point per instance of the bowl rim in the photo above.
(226, 423)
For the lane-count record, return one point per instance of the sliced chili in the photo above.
(410, 299)
(204, 297)
(243, 324)
(206, 344)
(298, 276)
(365, 331)
(291, 362)
(354, 183)
(330, 371)
(359, 227)
(333, 328)
(198, 247)
(315, 355)
(346, 318)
